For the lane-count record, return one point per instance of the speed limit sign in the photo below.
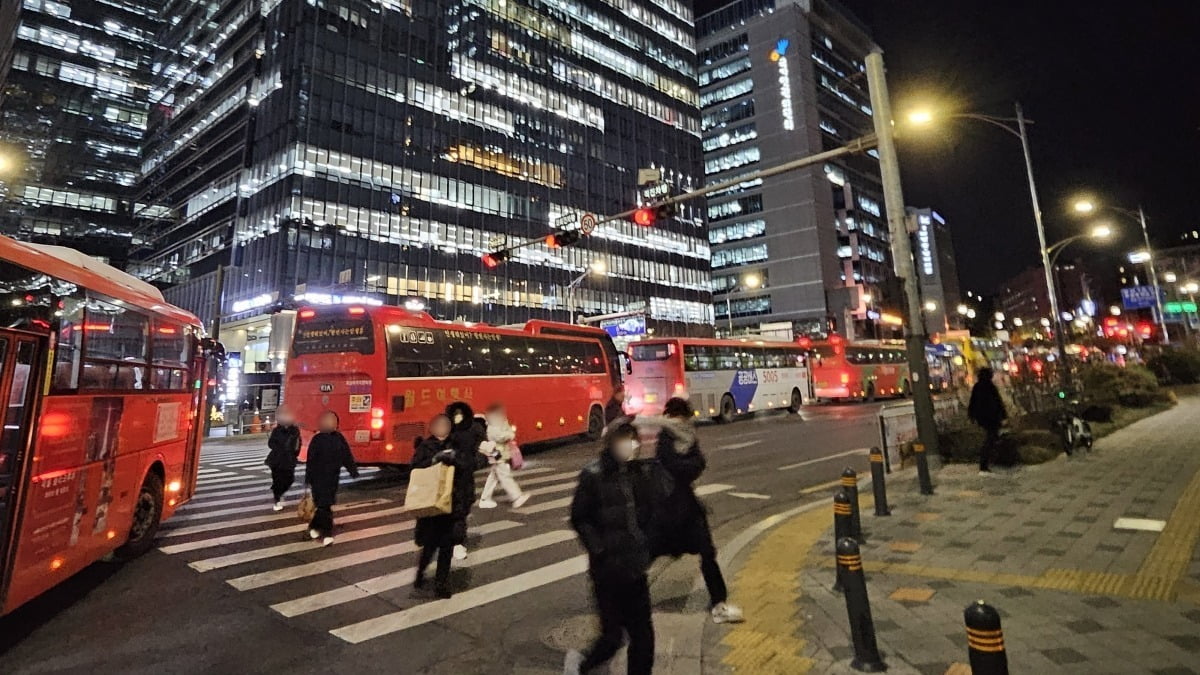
(587, 223)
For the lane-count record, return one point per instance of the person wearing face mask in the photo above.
(613, 511)
(441, 533)
(466, 434)
(284, 444)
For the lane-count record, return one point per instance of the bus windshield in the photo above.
(652, 352)
(340, 332)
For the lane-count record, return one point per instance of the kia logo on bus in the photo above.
(417, 337)
(326, 388)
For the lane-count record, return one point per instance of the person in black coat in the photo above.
(328, 452)
(615, 408)
(284, 444)
(986, 409)
(685, 520)
(614, 511)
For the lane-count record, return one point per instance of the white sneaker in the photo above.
(313, 534)
(327, 541)
(723, 612)
(278, 506)
(520, 501)
(460, 552)
(487, 504)
(985, 473)
(573, 662)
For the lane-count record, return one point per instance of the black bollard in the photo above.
(858, 609)
(923, 469)
(850, 485)
(841, 528)
(985, 640)
(878, 484)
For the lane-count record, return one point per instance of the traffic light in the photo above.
(648, 215)
(561, 238)
(492, 260)
(1145, 329)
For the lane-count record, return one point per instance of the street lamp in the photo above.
(1170, 277)
(750, 281)
(597, 267)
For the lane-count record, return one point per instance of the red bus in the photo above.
(101, 436)
(858, 370)
(386, 371)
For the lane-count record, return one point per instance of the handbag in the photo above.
(307, 508)
(430, 491)
(515, 458)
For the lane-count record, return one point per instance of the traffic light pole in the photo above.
(902, 256)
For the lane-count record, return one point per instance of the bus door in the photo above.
(19, 354)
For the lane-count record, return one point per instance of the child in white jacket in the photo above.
(498, 449)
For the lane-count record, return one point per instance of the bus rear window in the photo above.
(651, 352)
(328, 334)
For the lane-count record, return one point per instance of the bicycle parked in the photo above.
(1073, 431)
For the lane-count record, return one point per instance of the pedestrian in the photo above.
(615, 408)
(284, 444)
(328, 453)
(613, 511)
(498, 448)
(987, 410)
(685, 520)
(440, 534)
(466, 434)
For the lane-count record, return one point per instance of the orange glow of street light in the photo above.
(922, 116)
(1084, 206)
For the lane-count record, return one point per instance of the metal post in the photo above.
(985, 640)
(858, 609)
(1162, 318)
(923, 469)
(902, 258)
(729, 314)
(850, 485)
(878, 484)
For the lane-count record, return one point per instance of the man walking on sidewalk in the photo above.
(987, 410)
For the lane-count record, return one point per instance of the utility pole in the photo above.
(902, 257)
(1158, 303)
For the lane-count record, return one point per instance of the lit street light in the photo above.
(596, 267)
(962, 309)
(1018, 322)
(1170, 277)
(750, 281)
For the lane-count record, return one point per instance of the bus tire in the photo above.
(728, 410)
(147, 515)
(797, 401)
(595, 427)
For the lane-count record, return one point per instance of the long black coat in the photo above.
(448, 529)
(328, 452)
(986, 407)
(615, 512)
(685, 520)
(284, 444)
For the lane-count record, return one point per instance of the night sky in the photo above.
(1113, 88)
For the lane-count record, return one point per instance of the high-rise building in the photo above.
(72, 117)
(933, 250)
(374, 149)
(781, 80)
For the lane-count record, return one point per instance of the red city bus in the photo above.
(858, 370)
(102, 428)
(386, 371)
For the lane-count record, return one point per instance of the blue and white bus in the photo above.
(721, 378)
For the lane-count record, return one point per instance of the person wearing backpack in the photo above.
(499, 449)
(284, 445)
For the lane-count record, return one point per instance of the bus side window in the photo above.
(116, 343)
(513, 356)
(706, 358)
(593, 358)
(727, 358)
(571, 357)
(465, 357)
(70, 345)
(691, 358)
(406, 359)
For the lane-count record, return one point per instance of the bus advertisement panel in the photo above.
(721, 378)
(386, 371)
(101, 431)
(858, 370)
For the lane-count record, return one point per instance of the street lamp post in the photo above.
(1084, 206)
(596, 267)
(750, 281)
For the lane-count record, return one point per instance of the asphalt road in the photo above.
(234, 588)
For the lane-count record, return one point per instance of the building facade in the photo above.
(316, 150)
(780, 80)
(72, 117)
(933, 250)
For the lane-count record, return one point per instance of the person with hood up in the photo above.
(614, 511)
(467, 433)
(986, 409)
(685, 519)
(501, 437)
(615, 408)
(440, 534)
(328, 452)
(284, 444)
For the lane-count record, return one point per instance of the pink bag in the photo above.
(515, 458)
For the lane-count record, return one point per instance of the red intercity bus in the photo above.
(858, 370)
(102, 382)
(386, 371)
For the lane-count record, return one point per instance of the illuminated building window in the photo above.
(731, 90)
(731, 160)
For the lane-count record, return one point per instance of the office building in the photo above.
(780, 80)
(933, 250)
(72, 117)
(326, 150)
(1025, 297)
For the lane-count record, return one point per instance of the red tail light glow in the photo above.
(845, 378)
(307, 313)
(356, 311)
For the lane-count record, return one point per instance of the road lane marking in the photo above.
(702, 490)
(748, 495)
(461, 602)
(797, 465)
(738, 446)
(405, 577)
(297, 528)
(209, 564)
(204, 515)
(257, 520)
(283, 574)
(822, 486)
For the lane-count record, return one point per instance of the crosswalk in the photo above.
(360, 589)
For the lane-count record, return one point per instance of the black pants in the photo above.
(322, 520)
(713, 579)
(624, 608)
(281, 481)
(990, 440)
(441, 576)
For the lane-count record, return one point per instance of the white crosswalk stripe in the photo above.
(255, 520)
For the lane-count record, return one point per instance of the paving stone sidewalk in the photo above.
(1076, 595)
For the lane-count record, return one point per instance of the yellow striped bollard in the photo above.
(985, 640)
(858, 609)
(841, 527)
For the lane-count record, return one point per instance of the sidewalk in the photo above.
(1075, 594)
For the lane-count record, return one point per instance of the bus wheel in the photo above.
(728, 409)
(147, 514)
(595, 423)
(797, 401)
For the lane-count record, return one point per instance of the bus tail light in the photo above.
(356, 311)
(845, 378)
(678, 387)
(307, 313)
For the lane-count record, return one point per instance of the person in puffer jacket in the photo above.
(501, 437)
(685, 521)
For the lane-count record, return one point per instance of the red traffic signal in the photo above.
(1145, 329)
(644, 217)
(493, 260)
(562, 238)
